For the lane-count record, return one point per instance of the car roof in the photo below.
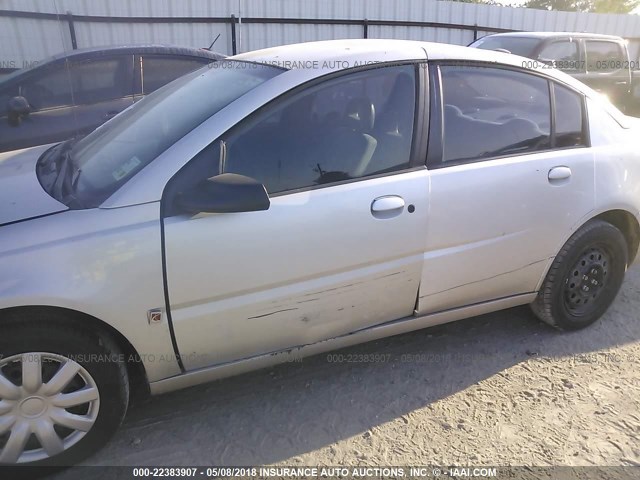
(545, 35)
(140, 49)
(344, 54)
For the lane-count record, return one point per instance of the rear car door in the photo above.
(340, 248)
(509, 182)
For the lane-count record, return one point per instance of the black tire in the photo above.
(98, 354)
(594, 258)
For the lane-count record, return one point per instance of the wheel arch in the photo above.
(628, 224)
(139, 383)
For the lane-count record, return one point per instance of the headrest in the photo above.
(360, 114)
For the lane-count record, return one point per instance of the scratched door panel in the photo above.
(316, 265)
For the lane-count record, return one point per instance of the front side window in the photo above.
(51, 89)
(562, 54)
(353, 126)
(490, 112)
(100, 80)
(604, 56)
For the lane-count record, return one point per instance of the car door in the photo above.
(51, 118)
(509, 183)
(607, 70)
(102, 88)
(563, 54)
(340, 248)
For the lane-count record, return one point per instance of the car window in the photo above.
(50, 89)
(562, 54)
(354, 126)
(6, 94)
(158, 70)
(522, 46)
(114, 152)
(100, 80)
(569, 131)
(603, 56)
(490, 112)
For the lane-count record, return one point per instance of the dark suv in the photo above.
(73, 93)
(600, 61)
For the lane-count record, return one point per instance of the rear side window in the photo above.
(604, 56)
(158, 70)
(490, 112)
(569, 117)
(561, 54)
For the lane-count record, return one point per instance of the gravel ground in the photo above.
(498, 389)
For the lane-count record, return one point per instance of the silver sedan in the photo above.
(294, 200)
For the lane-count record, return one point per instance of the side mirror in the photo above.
(225, 193)
(17, 107)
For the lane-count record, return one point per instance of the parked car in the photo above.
(600, 61)
(73, 93)
(394, 186)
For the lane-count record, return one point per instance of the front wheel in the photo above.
(63, 392)
(585, 277)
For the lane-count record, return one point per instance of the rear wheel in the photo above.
(63, 393)
(585, 277)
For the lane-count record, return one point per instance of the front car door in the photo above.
(48, 92)
(510, 176)
(102, 88)
(341, 246)
(155, 70)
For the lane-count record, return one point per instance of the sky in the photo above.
(517, 3)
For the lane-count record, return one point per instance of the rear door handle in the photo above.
(387, 206)
(558, 174)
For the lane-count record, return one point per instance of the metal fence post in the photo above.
(234, 48)
(365, 28)
(72, 30)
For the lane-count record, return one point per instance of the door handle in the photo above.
(558, 174)
(387, 206)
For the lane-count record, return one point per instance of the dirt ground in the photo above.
(499, 389)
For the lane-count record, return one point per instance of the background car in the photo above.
(600, 61)
(396, 186)
(73, 93)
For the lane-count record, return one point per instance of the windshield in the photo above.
(117, 150)
(522, 46)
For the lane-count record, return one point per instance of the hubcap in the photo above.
(47, 404)
(586, 281)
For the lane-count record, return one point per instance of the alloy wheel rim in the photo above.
(48, 403)
(586, 281)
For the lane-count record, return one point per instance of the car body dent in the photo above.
(59, 267)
